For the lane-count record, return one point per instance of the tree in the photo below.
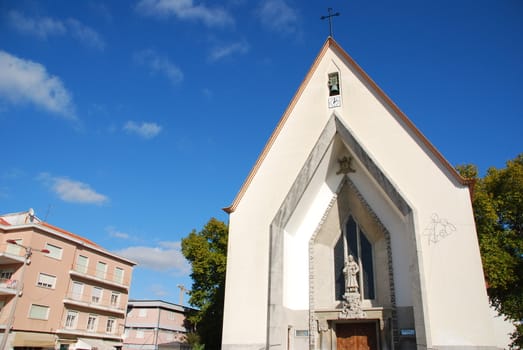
(206, 251)
(498, 212)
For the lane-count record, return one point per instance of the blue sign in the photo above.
(407, 332)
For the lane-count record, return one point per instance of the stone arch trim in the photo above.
(313, 322)
(333, 127)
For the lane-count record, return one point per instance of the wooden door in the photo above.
(356, 336)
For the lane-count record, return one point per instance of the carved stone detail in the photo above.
(351, 306)
(345, 166)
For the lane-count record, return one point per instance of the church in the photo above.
(352, 231)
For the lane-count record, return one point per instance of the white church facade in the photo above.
(352, 231)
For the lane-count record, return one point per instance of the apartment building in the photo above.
(59, 290)
(155, 325)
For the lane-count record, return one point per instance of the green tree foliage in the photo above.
(206, 251)
(498, 212)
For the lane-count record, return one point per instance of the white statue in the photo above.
(350, 271)
(351, 305)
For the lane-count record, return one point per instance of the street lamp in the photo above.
(19, 287)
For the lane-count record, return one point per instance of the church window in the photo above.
(334, 84)
(354, 241)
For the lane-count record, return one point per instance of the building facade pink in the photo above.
(155, 324)
(59, 290)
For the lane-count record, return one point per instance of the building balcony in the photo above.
(102, 304)
(7, 258)
(87, 276)
(8, 286)
(155, 325)
(89, 334)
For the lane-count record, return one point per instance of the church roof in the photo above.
(331, 44)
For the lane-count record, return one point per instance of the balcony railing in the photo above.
(8, 286)
(85, 333)
(75, 271)
(9, 257)
(104, 303)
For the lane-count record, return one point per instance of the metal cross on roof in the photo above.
(329, 16)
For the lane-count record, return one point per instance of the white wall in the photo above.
(454, 297)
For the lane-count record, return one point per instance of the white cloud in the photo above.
(277, 16)
(159, 64)
(85, 34)
(44, 27)
(113, 232)
(166, 256)
(41, 27)
(145, 130)
(24, 81)
(72, 191)
(185, 10)
(159, 290)
(220, 52)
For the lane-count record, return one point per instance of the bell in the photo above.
(334, 90)
(334, 84)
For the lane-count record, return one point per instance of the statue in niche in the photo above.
(350, 270)
(351, 305)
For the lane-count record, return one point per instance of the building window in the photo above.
(115, 298)
(54, 251)
(92, 323)
(77, 290)
(5, 279)
(355, 242)
(96, 295)
(72, 318)
(118, 275)
(6, 274)
(39, 312)
(171, 315)
(14, 248)
(140, 334)
(82, 262)
(142, 313)
(101, 269)
(301, 332)
(110, 325)
(46, 281)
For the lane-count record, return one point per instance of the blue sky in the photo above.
(134, 122)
